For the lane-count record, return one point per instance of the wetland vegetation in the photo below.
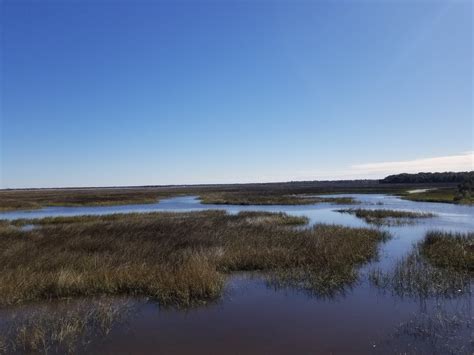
(442, 195)
(275, 195)
(176, 258)
(183, 260)
(387, 217)
(39, 198)
(290, 193)
(442, 264)
(242, 198)
(61, 328)
(461, 194)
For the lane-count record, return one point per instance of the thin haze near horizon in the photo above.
(102, 93)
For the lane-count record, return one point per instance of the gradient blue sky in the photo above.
(151, 92)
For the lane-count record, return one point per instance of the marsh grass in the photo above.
(449, 250)
(440, 265)
(387, 217)
(35, 199)
(62, 327)
(272, 193)
(252, 198)
(442, 195)
(178, 259)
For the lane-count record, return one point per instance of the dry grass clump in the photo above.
(387, 217)
(60, 328)
(175, 258)
(441, 265)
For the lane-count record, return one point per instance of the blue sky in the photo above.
(100, 93)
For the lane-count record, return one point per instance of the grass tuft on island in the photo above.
(387, 217)
(178, 259)
(243, 198)
(440, 265)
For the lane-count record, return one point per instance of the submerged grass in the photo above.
(438, 328)
(176, 258)
(440, 265)
(64, 327)
(387, 217)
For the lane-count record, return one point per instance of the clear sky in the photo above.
(104, 92)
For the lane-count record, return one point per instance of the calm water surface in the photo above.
(252, 317)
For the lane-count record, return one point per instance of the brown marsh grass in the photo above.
(387, 217)
(175, 258)
(38, 198)
(252, 198)
(270, 193)
(449, 250)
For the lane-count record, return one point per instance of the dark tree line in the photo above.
(447, 177)
(465, 190)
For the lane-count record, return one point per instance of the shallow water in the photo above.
(252, 317)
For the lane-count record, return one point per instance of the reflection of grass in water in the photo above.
(387, 217)
(62, 329)
(325, 283)
(440, 265)
(439, 333)
(437, 329)
(176, 258)
(438, 271)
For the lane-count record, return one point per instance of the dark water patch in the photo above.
(438, 327)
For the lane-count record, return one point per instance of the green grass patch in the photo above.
(443, 195)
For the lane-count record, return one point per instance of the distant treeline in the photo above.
(447, 177)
